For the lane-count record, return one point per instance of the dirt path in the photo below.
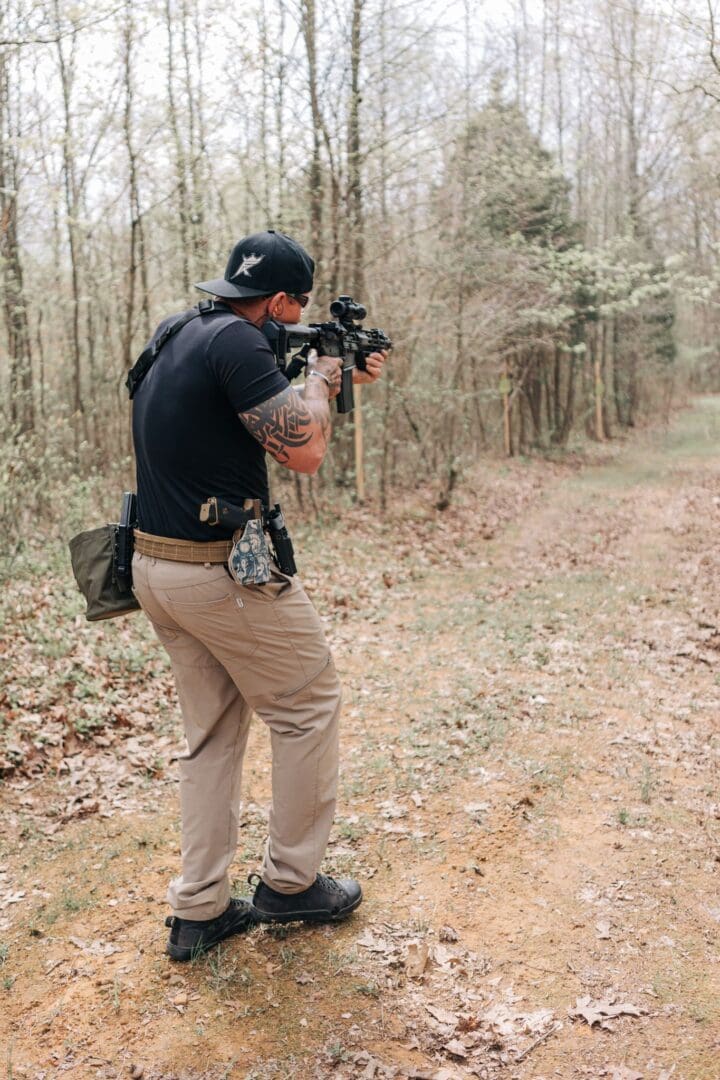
(529, 794)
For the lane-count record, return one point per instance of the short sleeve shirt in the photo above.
(189, 442)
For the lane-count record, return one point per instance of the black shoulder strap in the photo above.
(148, 356)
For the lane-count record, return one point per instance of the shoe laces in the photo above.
(329, 884)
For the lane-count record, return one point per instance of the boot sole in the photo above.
(306, 916)
(184, 953)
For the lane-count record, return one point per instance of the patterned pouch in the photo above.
(249, 560)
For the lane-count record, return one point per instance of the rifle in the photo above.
(345, 338)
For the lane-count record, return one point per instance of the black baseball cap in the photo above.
(262, 264)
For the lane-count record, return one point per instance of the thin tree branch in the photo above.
(16, 43)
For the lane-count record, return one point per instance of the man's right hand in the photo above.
(330, 367)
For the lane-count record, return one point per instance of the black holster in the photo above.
(216, 511)
(281, 542)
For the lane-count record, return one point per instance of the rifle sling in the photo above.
(149, 355)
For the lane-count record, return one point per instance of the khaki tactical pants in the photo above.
(235, 649)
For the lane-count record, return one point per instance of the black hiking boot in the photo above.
(327, 900)
(192, 937)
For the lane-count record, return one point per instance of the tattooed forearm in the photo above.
(281, 423)
(293, 430)
(315, 396)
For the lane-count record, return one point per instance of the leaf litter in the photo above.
(480, 1025)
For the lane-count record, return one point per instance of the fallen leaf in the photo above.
(456, 1047)
(603, 930)
(368, 940)
(447, 933)
(597, 1012)
(536, 1022)
(436, 1074)
(500, 1019)
(12, 898)
(416, 958)
(445, 958)
(94, 948)
(443, 1016)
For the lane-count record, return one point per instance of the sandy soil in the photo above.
(529, 794)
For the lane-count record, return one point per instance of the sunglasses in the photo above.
(303, 301)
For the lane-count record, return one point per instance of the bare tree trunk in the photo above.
(507, 410)
(604, 376)
(203, 173)
(569, 405)
(315, 178)
(335, 260)
(560, 116)
(356, 223)
(280, 126)
(17, 328)
(264, 106)
(129, 321)
(533, 393)
(93, 425)
(632, 386)
(66, 66)
(180, 162)
(598, 385)
(557, 380)
(617, 378)
(461, 284)
(356, 220)
(387, 422)
(543, 70)
(190, 106)
(633, 177)
(549, 415)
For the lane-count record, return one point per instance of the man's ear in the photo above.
(276, 304)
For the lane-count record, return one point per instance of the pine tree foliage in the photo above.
(517, 189)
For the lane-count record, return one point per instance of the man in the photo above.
(207, 411)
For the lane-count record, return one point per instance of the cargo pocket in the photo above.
(304, 684)
(292, 648)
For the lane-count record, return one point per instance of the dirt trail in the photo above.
(529, 794)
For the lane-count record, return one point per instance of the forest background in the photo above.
(524, 195)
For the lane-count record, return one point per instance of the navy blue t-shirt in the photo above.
(189, 442)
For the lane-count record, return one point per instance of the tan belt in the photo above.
(166, 547)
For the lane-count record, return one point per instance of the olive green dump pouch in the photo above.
(92, 555)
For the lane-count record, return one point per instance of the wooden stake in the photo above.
(359, 461)
(507, 438)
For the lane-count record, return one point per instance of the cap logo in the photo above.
(248, 263)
